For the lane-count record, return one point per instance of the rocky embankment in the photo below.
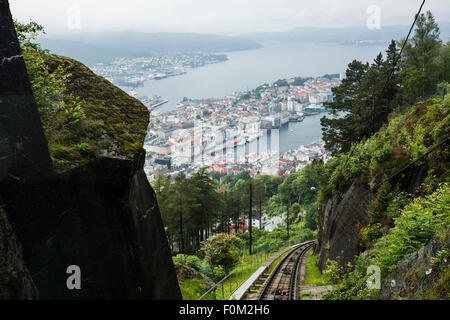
(340, 224)
(423, 274)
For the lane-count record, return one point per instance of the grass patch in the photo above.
(313, 275)
(192, 289)
(306, 294)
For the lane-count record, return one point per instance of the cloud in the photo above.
(218, 16)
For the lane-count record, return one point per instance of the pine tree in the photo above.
(420, 64)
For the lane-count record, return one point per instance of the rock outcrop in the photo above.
(101, 215)
(23, 147)
(340, 224)
(424, 274)
(15, 279)
(185, 273)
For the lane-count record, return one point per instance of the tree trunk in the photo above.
(181, 232)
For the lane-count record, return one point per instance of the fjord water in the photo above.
(248, 69)
(251, 68)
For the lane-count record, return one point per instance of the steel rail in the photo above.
(293, 286)
(276, 271)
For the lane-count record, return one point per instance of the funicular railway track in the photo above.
(282, 282)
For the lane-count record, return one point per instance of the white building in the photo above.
(290, 105)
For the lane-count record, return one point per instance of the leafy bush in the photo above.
(369, 235)
(418, 222)
(219, 272)
(192, 289)
(332, 271)
(188, 260)
(352, 287)
(407, 137)
(221, 249)
(195, 263)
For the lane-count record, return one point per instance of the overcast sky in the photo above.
(215, 16)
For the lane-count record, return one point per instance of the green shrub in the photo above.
(418, 222)
(192, 289)
(331, 273)
(196, 263)
(221, 249)
(219, 272)
(369, 235)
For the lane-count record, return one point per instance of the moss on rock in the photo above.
(115, 123)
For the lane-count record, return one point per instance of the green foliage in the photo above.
(407, 136)
(299, 192)
(299, 81)
(189, 207)
(221, 250)
(435, 261)
(81, 113)
(331, 76)
(281, 83)
(188, 260)
(277, 237)
(365, 98)
(27, 34)
(369, 235)
(194, 262)
(397, 203)
(192, 289)
(420, 63)
(219, 272)
(387, 203)
(352, 287)
(313, 275)
(81, 146)
(331, 273)
(363, 101)
(418, 222)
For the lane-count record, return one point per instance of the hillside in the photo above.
(385, 195)
(348, 35)
(131, 44)
(380, 221)
(89, 54)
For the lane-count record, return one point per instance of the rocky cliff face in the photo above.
(101, 215)
(423, 274)
(15, 279)
(340, 224)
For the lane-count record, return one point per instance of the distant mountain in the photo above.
(94, 46)
(349, 35)
(89, 54)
